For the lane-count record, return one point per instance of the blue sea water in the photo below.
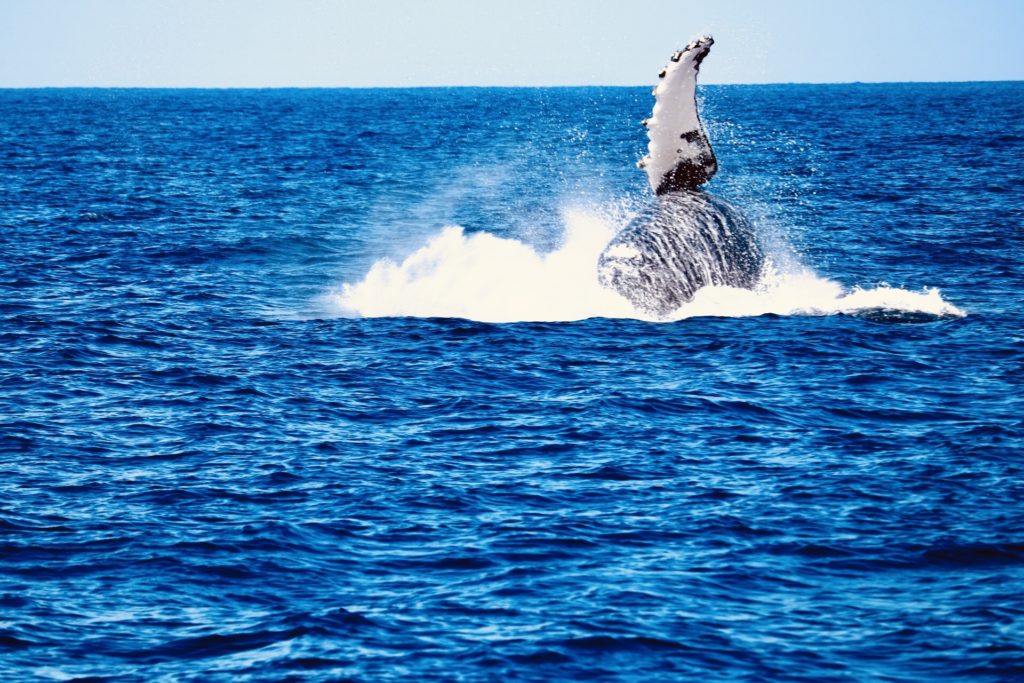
(318, 385)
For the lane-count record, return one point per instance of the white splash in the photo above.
(493, 279)
(801, 292)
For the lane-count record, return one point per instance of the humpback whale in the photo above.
(687, 238)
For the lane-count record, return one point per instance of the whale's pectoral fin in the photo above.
(679, 155)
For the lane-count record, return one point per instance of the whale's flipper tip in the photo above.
(704, 42)
(698, 47)
(679, 153)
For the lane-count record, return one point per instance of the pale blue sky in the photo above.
(266, 43)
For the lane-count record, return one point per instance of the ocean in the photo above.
(320, 385)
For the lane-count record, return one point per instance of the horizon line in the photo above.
(479, 87)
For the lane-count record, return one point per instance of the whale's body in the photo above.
(688, 239)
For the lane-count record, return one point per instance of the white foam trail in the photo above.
(803, 293)
(493, 279)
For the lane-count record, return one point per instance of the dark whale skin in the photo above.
(685, 241)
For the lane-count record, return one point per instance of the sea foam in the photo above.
(483, 277)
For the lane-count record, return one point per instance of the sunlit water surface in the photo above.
(321, 385)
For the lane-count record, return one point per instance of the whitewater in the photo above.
(487, 278)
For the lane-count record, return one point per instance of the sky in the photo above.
(384, 43)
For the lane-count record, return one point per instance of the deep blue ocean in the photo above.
(319, 385)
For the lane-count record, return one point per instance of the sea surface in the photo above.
(320, 385)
